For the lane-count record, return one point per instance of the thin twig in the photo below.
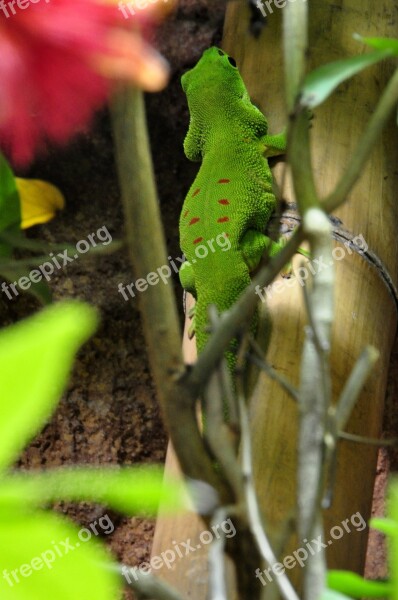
(143, 222)
(217, 573)
(315, 389)
(216, 435)
(359, 439)
(262, 364)
(146, 585)
(253, 510)
(354, 385)
(322, 346)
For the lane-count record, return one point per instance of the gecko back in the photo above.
(232, 194)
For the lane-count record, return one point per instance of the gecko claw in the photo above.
(191, 315)
(191, 331)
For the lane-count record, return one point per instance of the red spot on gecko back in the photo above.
(200, 239)
(196, 192)
(223, 201)
(223, 181)
(185, 213)
(222, 219)
(194, 220)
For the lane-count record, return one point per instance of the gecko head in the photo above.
(214, 71)
(217, 96)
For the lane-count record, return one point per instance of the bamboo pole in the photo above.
(365, 310)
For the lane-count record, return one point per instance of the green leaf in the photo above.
(34, 245)
(320, 83)
(10, 210)
(43, 246)
(13, 273)
(43, 556)
(36, 356)
(388, 526)
(392, 531)
(129, 490)
(355, 586)
(379, 43)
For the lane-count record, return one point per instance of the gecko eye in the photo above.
(221, 53)
(232, 61)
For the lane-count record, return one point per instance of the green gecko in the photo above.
(232, 194)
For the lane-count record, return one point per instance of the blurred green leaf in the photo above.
(13, 273)
(20, 241)
(129, 490)
(42, 246)
(355, 586)
(392, 532)
(33, 244)
(379, 43)
(10, 210)
(42, 557)
(320, 83)
(388, 526)
(36, 356)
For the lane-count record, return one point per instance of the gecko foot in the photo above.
(191, 315)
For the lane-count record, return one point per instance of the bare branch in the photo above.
(161, 326)
(354, 385)
(253, 510)
(146, 585)
(262, 364)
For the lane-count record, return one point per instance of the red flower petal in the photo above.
(56, 59)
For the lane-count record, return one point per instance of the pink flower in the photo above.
(57, 62)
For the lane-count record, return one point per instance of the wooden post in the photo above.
(365, 312)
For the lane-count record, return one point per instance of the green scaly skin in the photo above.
(232, 193)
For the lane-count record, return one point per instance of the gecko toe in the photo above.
(191, 331)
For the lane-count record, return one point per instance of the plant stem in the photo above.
(147, 250)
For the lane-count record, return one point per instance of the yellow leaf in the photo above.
(39, 201)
